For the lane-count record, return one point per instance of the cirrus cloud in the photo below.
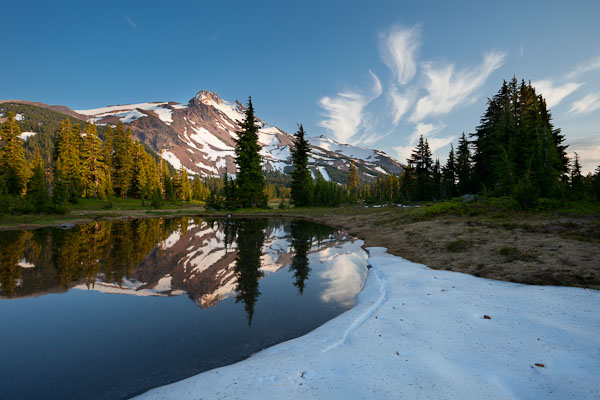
(345, 112)
(447, 87)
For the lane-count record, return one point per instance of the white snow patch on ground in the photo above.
(19, 117)
(27, 135)
(323, 172)
(172, 158)
(179, 106)
(420, 333)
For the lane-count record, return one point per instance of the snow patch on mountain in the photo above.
(27, 135)
(172, 158)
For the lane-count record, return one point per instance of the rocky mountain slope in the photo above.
(199, 136)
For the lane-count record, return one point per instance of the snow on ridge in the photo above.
(120, 108)
(348, 150)
(161, 108)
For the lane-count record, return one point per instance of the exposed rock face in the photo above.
(200, 137)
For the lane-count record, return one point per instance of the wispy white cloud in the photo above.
(554, 94)
(345, 112)
(585, 67)
(130, 22)
(589, 103)
(214, 37)
(400, 102)
(398, 49)
(447, 88)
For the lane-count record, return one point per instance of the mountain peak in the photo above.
(206, 96)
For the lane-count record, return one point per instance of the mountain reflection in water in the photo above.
(209, 260)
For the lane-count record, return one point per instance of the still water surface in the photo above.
(111, 309)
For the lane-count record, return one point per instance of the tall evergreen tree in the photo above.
(37, 189)
(421, 160)
(68, 158)
(463, 166)
(516, 143)
(301, 180)
(449, 175)
(92, 165)
(122, 160)
(13, 167)
(250, 180)
(353, 182)
(576, 178)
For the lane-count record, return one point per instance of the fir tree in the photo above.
(516, 143)
(122, 160)
(576, 178)
(92, 166)
(250, 180)
(301, 187)
(463, 166)
(449, 175)
(68, 159)
(37, 189)
(423, 164)
(353, 182)
(13, 167)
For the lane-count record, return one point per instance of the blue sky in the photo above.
(375, 73)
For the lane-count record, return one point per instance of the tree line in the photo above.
(515, 151)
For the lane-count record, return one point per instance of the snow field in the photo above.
(421, 333)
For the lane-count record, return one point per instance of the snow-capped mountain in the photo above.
(199, 136)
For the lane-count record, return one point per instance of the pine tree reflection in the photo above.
(250, 240)
(301, 242)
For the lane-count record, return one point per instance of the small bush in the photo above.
(459, 245)
(512, 253)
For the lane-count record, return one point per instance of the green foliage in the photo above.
(250, 181)
(301, 187)
(422, 163)
(459, 245)
(516, 142)
(37, 189)
(13, 168)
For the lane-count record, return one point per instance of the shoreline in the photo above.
(537, 249)
(415, 332)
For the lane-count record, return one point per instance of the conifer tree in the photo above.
(576, 178)
(107, 155)
(353, 182)
(68, 158)
(122, 160)
(421, 160)
(449, 175)
(596, 184)
(436, 180)
(37, 189)
(463, 166)
(13, 167)
(301, 188)
(250, 180)
(516, 143)
(92, 165)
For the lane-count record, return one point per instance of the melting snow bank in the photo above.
(421, 333)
